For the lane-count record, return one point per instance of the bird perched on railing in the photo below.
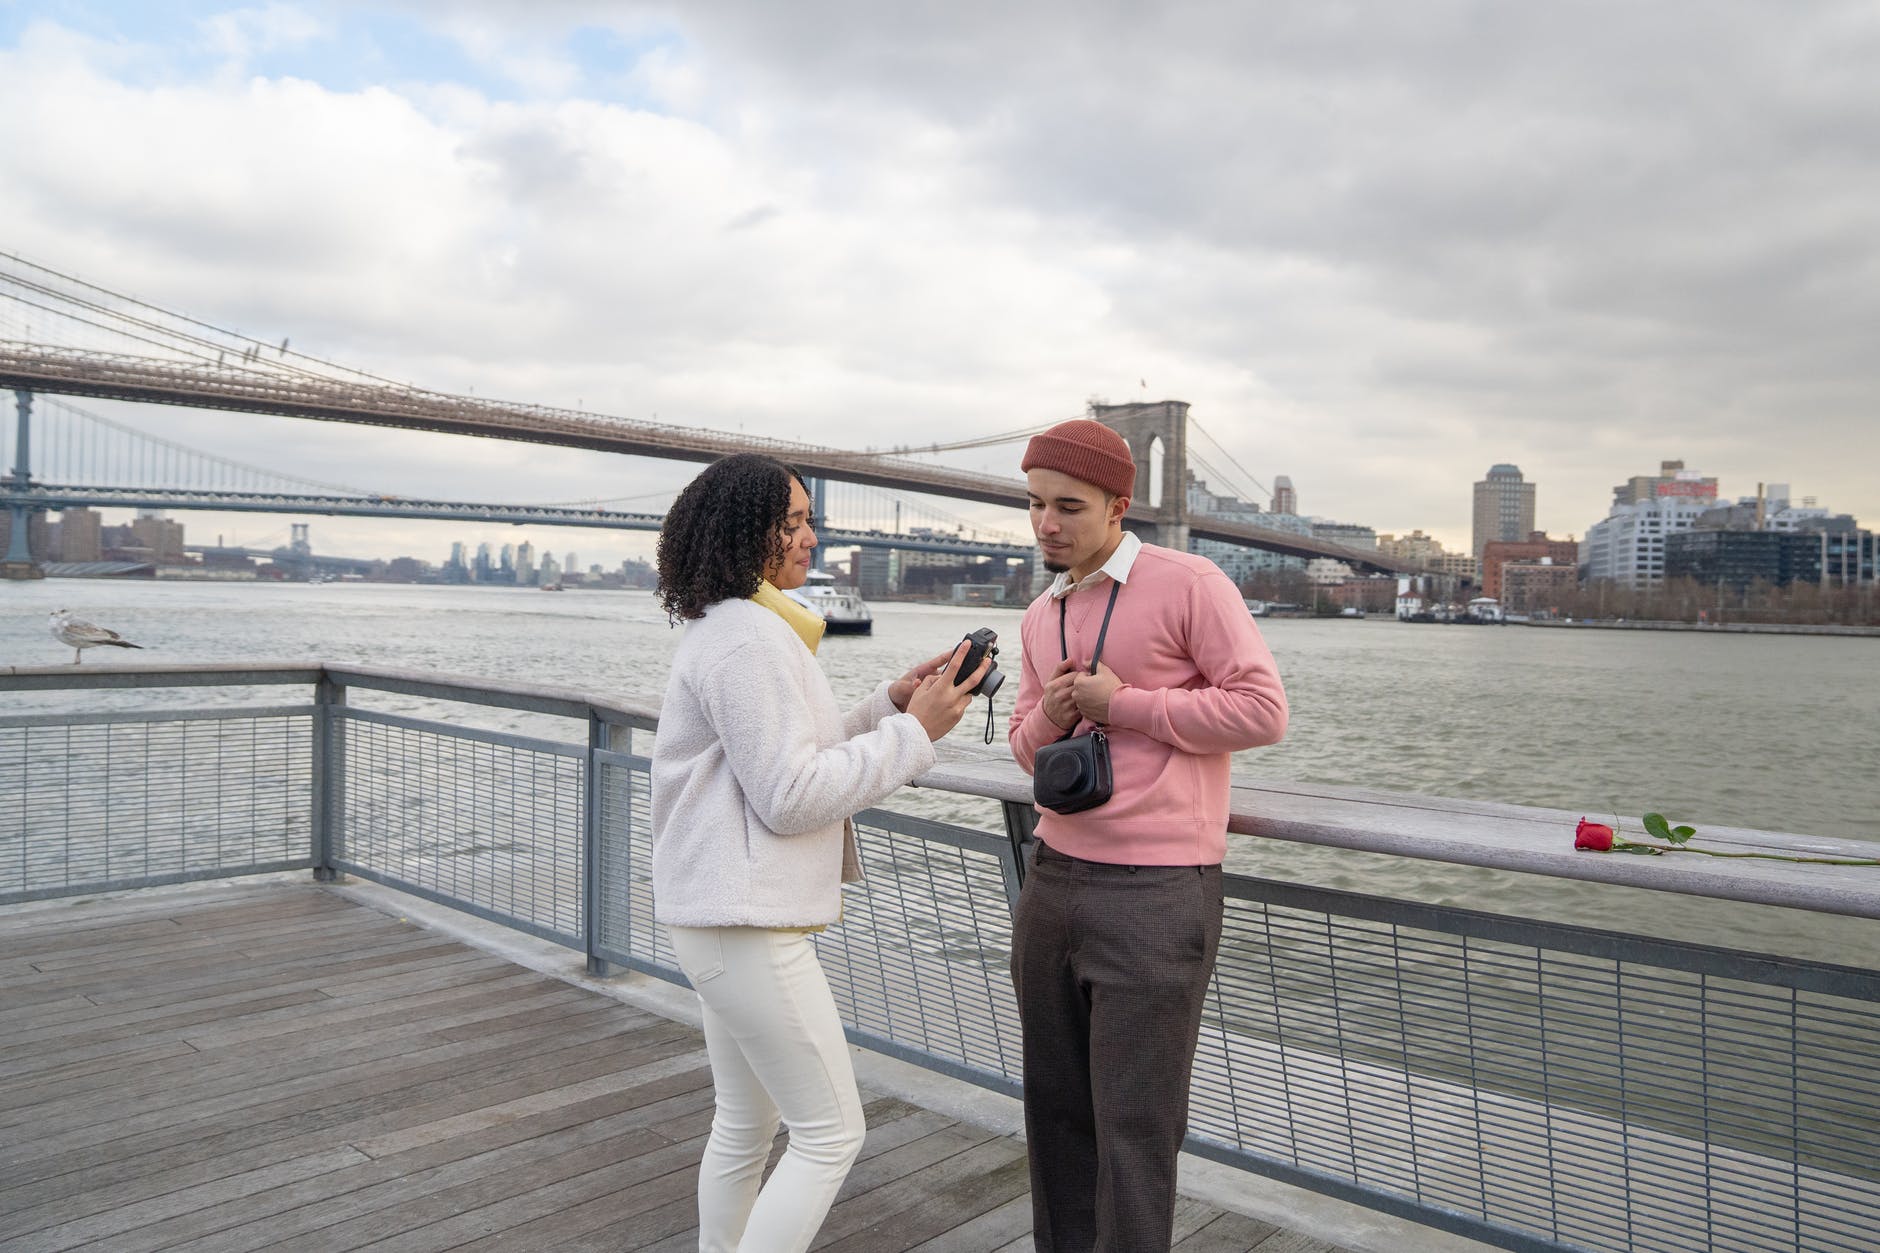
(79, 635)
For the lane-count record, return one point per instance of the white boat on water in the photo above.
(843, 612)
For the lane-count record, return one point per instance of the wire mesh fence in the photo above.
(1645, 1095)
(491, 821)
(92, 802)
(627, 933)
(920, 961)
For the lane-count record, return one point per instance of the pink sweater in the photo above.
(1198, 684)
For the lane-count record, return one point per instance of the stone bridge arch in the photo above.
(1141, 425)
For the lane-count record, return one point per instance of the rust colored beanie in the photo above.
(1085, 450)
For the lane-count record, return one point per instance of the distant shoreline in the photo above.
(1706, 628)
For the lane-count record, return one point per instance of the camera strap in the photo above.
(1102, 634)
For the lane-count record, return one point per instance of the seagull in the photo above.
(80, 634)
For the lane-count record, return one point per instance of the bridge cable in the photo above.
(279, 361)
(148, 441)
(1253, 478)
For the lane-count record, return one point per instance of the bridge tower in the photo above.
(1144, 427)
(21, 518)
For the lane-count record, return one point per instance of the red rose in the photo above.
(1594, 835)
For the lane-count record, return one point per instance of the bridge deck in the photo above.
(275, 1066)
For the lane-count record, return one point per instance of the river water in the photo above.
(1762, 731)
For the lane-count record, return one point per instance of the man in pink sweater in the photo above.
(1117, 926)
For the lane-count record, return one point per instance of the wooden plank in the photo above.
(90, 1151)
(1001, 1178)
(995, 1228)
(82, 1090)
(311, 1206)
(452, 1072)
(909, 1175)
(90, 1231)
(1293, 1242)
(214, 1081)
(35, 1050)
(548, 1216)
(99, 1010)
(1230, 1233)
(243, 1141)
(380, 1201)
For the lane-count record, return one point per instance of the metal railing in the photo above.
(1527, 1083)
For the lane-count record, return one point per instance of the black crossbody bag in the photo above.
(1073, 773)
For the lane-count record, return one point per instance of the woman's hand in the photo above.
(902, 689)
(938, 701)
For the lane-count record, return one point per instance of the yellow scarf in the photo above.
(807, 623)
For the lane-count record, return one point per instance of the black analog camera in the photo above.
(981, 642)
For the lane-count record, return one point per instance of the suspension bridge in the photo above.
(73, 446)
(61, 336)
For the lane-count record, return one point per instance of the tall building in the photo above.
(1627, 546)
(1672, 479)
(456, 570)
(1504, 508)
(1237, 561)
(1285, 500)
(525, 562)
(163, 537)
(80, 535)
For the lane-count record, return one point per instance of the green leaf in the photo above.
(1681, 834)
(1656, 825)
(1645, 850)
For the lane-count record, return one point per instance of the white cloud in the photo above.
(1377, 250)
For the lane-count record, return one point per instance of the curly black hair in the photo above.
(723, 532)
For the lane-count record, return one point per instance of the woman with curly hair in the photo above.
(756, 771)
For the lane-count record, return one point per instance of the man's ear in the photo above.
(1119, 505)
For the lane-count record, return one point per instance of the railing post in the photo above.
(329, 777)
(1021, 820)
(598, 740)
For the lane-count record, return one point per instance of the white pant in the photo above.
(777, 1051)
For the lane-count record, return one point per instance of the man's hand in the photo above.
(1060, 700)
(1092, 692)
(902, 689)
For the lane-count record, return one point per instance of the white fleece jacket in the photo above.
(755, 770)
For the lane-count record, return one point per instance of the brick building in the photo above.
(1535, 549)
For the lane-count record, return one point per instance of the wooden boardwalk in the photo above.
(276, 1067)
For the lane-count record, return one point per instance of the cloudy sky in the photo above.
(1377, 247)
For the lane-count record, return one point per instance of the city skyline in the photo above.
(1370, 264)
(378, 539)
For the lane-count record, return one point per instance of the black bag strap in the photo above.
(1102, 634)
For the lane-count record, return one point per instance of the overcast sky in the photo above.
(1377, 247)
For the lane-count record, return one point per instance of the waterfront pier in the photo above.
(1515, 1081)
(276, 1066)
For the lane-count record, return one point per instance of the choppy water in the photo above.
(1774, 732)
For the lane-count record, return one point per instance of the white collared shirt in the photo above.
(1117, 567)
